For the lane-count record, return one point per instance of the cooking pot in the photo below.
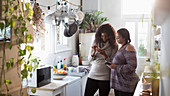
(70, 30)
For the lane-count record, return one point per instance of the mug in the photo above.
(145, 86)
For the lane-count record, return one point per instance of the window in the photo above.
(137, 6)
(136, 18)
(61, 42)
(140, 36)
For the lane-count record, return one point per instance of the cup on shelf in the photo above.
(146, 86)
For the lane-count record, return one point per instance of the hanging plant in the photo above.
(17, 17)
(38, 19)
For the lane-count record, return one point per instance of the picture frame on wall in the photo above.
(7, 37)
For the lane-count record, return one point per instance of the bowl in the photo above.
(59, 76)
(85, 62)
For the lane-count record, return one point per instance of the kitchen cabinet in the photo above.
(51, 89)
(73, 87)
(68, 86)
(85, 42)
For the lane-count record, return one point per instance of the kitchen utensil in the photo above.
(80, 16)
(70, 29)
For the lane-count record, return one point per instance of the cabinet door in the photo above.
(85, 40)
(74, 89)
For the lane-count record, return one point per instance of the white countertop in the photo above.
(138, 89)
(67, 80)
(52, 86)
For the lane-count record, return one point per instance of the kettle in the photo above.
(75, 60)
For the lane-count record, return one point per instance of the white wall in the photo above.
(49, 56)
(112, 10)
(165, 61)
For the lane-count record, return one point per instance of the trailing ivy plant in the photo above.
(17, 14)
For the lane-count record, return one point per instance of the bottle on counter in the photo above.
(58, 65)
(64, 64)
(61, 64)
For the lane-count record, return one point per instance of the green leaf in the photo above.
(29, 19)
(30, 14)
(31, 75)
(13, 24)
(25, 66)
(6, 8)
(16, 31)
(11, 10)
(29, 37)
(24, 73)
(1, 25)
(15, 8)
(23, 23)
(35, 68)
(12, 62)
(30, 67)
(20, 61)
(20, 41)
(8, 65)
(29, 48)
(14, 17)
(33, 90)
(27, 6)
(6, 81)
(23, 29)
(29, 56)
(10, 46)
(20, 18)
(22, 52)
(32, 47)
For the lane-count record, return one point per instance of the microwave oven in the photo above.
(40, 77)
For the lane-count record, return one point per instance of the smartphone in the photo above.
(107, 63)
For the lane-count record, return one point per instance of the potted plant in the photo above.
(92, 21)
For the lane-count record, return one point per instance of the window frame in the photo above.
(136, 19)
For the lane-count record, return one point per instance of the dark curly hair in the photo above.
(106, 28)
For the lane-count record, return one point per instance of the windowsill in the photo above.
(63, 50)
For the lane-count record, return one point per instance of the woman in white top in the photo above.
(103, 49)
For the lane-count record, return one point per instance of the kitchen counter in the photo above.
(147, 76)
(138, 88)
(73, 87)
(51, 89)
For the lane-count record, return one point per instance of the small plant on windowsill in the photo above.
(92, 21)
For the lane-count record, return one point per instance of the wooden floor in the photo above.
(110, 94)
